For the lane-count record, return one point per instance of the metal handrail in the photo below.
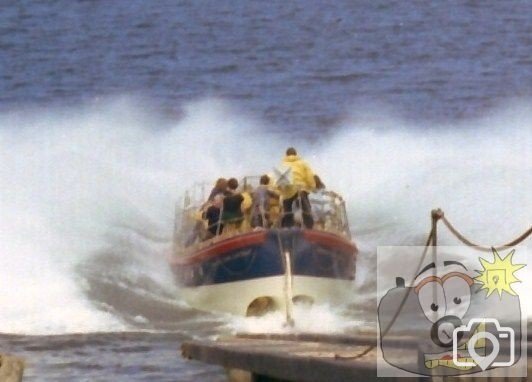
(328, 212)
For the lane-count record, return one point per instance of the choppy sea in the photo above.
(109, 110)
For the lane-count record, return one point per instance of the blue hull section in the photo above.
(312, 253)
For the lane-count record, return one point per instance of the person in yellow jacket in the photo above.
(295, 187)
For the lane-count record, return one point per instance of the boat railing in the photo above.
(192, 232)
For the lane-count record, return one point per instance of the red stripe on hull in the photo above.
(255, 238)
(222, 247)
(330, 240)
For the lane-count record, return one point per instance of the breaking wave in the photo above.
(88, 199)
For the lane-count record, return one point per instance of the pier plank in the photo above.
(286, 359)
(302, 358)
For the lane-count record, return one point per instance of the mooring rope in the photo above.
(469, 243)
(285, 257)
(428, 243)
(436, 215)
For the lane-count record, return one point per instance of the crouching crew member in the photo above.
(261, 197)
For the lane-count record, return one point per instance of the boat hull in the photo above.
(236, 297)
(278, 264)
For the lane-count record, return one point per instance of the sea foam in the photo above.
(73, 179)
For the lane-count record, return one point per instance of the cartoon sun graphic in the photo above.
(499, 275)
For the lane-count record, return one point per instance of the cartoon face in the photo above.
(417, 323)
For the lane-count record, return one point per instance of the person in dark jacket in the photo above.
(232, 204)
(212, 215)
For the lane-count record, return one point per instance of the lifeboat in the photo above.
(252, 271)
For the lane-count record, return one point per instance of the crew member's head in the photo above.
(232, 184)
(291, 151)
(221, 183)
(265, 179)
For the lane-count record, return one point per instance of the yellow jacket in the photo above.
(302, 176)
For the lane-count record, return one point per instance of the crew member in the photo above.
(260, 214)
(296, 188)
(212, 214)
(232, 205)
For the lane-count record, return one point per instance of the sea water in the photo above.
(110, 110)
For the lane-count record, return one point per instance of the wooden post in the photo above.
(435, 214)
(238, 375)
(11, 368)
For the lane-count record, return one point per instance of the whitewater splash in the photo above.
(307, 319)
(89, 195)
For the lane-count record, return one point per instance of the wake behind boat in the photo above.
(254, 270)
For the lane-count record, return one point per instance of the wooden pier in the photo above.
(302, 358)
(287, 357)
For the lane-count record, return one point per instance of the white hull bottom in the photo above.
(235, 297)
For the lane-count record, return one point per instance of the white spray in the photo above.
(71, 178)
